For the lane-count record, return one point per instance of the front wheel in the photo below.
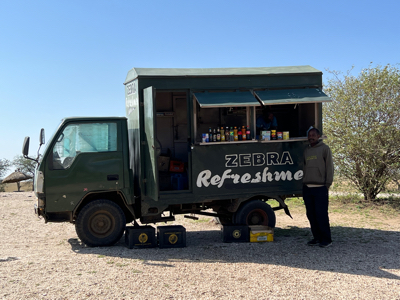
(255, 212)
(100, 223)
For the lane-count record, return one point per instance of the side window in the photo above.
(80, 138)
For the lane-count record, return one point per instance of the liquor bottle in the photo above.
(227, 135)
(218, 135)
(214, 136)
(235, 134)
(222, 132)
(243, 133)
(248, 133)
(231, 134)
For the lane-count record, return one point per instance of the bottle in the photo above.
(248, 133)
(240, 135)
(235, 134)
(214, 139)
(218, 135)
(243, 133)
(222, 132)
(210, 133)
(231, 134)
(227, 135)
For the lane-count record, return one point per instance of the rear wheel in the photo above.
(100, 223)
(255, 212)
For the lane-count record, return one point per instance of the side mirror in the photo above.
(25, 146)
(41, 139)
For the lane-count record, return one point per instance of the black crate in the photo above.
(235, 234)
(173, 236)
(140, 237)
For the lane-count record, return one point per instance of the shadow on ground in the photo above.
(356, 251)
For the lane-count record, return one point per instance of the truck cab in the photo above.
(86, 160)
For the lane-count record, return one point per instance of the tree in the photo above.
(363, 126)
(25, 166)
(4, 166)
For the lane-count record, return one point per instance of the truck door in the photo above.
(85, 158)
(151, 147)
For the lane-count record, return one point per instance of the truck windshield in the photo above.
(81, 138)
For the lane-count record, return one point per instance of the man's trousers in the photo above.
(316, 200)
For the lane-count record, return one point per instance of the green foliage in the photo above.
(4, 166)
(25, 166)
(363, 126)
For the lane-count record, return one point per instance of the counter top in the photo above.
(295, 139)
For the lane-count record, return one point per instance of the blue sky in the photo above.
(70, 58)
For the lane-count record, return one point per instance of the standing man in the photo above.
(318, 177)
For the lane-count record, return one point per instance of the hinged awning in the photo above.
(226, 99)
(273, 97)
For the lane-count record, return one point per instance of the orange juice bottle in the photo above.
(235, 134)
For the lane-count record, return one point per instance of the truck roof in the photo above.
(92, 118)
(215, 72)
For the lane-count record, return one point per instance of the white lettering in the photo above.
(272, 158)
(215, 180)
(231, 161)
(286, 158)
(245, 178)
(224, 176)
(298, 175)
(265, 174)
(202, 178)
(258, 159)
(235, 178)
(205, 177)
(245, 160)
(257, 179)
(283, 175)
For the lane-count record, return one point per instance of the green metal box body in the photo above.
(225, 171)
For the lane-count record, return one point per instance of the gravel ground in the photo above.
(47, 261)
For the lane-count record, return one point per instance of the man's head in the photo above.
(313, 136)
(268, 116)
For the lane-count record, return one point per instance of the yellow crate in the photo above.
(259, 233)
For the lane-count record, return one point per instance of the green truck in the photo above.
(101, 173)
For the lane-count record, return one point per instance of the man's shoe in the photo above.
(313, 242)
(325, 244)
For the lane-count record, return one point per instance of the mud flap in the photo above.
(283, 205)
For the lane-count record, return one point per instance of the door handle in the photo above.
(113, 177)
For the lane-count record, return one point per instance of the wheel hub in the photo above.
(257, 217)
(101, 224)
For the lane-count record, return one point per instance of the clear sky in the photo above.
(70, 58)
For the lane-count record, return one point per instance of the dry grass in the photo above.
(26, 186)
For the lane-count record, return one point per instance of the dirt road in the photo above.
(47, 261)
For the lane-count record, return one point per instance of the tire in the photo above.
(255, 212)
(100, 223)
